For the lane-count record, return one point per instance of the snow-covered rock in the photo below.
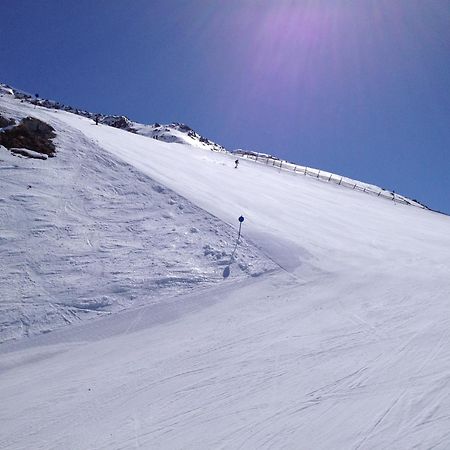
(5, 90)
(177, 133)
(28, 153)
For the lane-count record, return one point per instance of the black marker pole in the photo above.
(241, 219)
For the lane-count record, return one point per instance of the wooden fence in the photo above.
(328, 177)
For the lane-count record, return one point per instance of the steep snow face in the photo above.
(85, 234)
(344, 345)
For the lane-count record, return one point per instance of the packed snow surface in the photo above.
(326, 326)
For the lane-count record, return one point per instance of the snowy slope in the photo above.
(344, 345)
(85, 234)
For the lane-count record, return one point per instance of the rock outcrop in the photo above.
(30, 133)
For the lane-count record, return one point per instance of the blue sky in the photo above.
(360, 88)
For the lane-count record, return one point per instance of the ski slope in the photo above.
(85, 235)
(329, 330)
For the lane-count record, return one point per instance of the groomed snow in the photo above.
(340, 342)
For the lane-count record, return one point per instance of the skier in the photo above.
(96, 119)
(236, 164)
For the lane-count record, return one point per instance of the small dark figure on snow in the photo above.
(236, 163)
(96, 119)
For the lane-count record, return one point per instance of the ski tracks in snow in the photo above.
(86, 234)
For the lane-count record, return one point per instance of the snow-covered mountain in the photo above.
(324, 326)
(173, 132)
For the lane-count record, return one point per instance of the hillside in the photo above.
(327, 327)
(85, 234)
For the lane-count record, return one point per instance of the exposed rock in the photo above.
(31, 134)
(4, 122)
(117, 122)
(183, 127)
